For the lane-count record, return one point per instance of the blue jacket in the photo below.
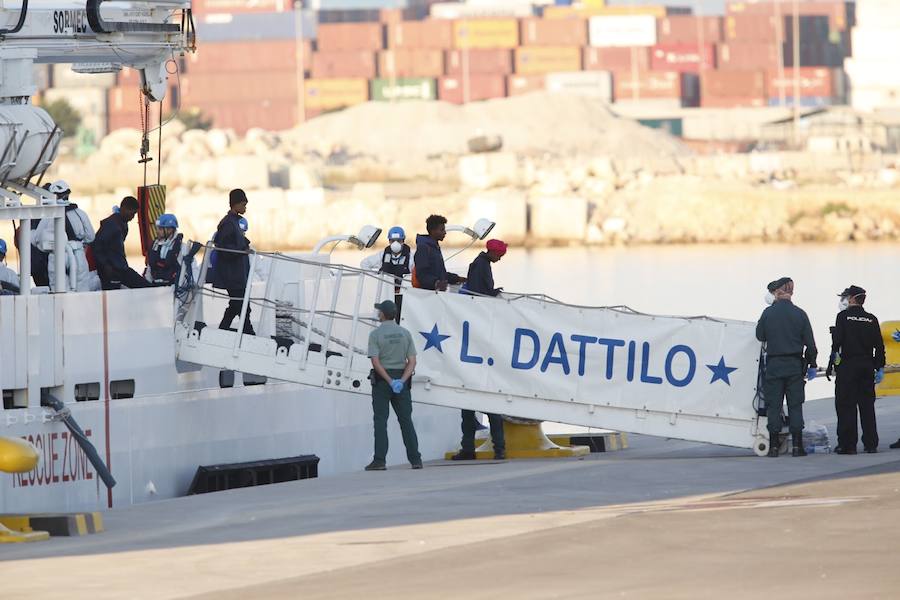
(231, 269)
(430, 263)
(480, 279)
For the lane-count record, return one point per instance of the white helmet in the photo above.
(59, 187)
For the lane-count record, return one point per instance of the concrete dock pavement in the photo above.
(663, 519)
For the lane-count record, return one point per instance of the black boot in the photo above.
(774, 443)
(798, 449)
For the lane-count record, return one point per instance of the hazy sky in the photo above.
(699, 6)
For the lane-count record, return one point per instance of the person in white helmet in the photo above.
(79, 232)
(9, 279)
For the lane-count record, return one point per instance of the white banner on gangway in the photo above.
(602, 357)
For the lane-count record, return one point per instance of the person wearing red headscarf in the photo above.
(480, 280)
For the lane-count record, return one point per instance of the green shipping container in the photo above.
(404, 88)
(672, 126)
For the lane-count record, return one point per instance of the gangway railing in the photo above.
(523, 355)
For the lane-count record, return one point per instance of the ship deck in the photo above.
(662, 519)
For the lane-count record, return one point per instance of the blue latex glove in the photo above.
(896, 336)
(810, 373)
(396, 386)
(879, 376)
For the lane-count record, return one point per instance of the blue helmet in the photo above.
(3, 247)
(243, 224)
(167, 221)
(396, 233)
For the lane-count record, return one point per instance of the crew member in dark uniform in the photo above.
(233, 268)
(790, 354)
(857, 357)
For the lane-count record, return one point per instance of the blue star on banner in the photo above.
(433, 339)
(721, 371)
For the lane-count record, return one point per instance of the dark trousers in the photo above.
(470, 423)
(236, 300)
(854, 391)
(383, 397)
(398, 300)
(784, 380)
(128, 278)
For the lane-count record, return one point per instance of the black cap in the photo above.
(853, 290)
(236, 196)
(774, 285)
(388, 308)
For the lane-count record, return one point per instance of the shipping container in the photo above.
(335, 93)
(672, 126)
(656, 85)
(805, 101)
(558, 32)
(707, 101)
(433, 34)
(841, 15)
(771, 28)
(537, 60)
(629, 30)
(616, 59)
(455, 11)
(594, 84)
(261, 26)
(486, 33)
(481, 62)
(459, 90)
(390, 16)
(686, 58)
(812, 83)
(202, 88)
(243, 116)
(350, 36)
(741, 56)
(617, 10)
(203, 7)
(220, 57)
(822, 54)
(689, 29)
(517, 85)
(740, 84)
(411, 88)
(348, 63)
(411, 63)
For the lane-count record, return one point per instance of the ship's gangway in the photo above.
(691, 378)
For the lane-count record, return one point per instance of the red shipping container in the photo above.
(523, 84)
(203, 88)
(351, 63)
(390, 15)
(685, 58)
(350, 36)
(431, 33)
(613, 59)
(242, 116)
(202, 7)
(275, 55)
(748, 55)
(480, 61)
(839, 14)
(651, 85)
(738, 84)
(707, 101)
(753, 28)
(477, 87)
(553, 32)
(689, 29)
(814, 82)
(411, 63)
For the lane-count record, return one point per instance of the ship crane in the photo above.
(95, 36)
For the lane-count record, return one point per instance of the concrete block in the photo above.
(302, 177)
(245, 171)
(506, 208)
(488, 169)
(559, 218)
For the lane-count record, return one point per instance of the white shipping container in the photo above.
(622, 30)
(875, 43)
(89, 102)
(596, 84)
(878, 13)
(453, 10)
(62, 76)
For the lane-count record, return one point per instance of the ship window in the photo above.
(8, 399)
(123, 388)
(15, 398)
(87, 391)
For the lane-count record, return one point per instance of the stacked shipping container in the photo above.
(654, 55)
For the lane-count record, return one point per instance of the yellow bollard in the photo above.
(890, 385)
(18, 456)
(526, 439)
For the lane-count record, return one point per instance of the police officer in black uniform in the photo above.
(857, 357)
(790, 354)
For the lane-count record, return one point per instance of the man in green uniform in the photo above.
(393, 362)
(790, 354)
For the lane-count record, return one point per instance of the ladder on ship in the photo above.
(520, 355)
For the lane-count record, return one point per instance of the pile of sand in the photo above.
(541, 122)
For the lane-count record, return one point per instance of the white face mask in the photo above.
(843, 304)
(769, 298)
(396, 247)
